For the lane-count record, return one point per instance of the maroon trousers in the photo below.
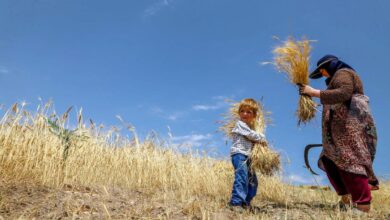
(348, 183)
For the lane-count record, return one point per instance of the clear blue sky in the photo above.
(160, 63)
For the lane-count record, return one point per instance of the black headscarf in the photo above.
(333, 66)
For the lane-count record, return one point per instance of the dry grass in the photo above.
(31, 148)
(33, 151)
(292, 58)
(263, 159)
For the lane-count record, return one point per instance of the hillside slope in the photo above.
(48, 171)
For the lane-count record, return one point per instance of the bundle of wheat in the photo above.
(263, 158)
(292, 58)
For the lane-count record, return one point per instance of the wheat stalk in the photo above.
(292, 58)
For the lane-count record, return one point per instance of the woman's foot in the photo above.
(345, 202)
(342, 206)
(363, 208)
(358, 213)
(346, 199)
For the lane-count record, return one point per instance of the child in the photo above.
(243, 135)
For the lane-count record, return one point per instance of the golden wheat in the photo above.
(292, 58)
(31, 150)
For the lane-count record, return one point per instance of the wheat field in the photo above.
(44, 149)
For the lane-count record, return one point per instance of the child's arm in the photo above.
(243, 129)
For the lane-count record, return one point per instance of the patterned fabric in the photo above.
(348, 129)
(243, 138)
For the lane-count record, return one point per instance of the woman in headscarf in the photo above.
(348, 132)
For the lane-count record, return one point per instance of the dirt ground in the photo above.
(24, 200)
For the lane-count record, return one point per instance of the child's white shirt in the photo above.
(243, 138)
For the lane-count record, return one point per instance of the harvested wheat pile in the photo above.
(263, 158)
(292, 58)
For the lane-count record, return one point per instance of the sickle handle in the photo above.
(306, 153)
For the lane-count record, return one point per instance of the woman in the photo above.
(348, 132)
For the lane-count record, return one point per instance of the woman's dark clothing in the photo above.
(348, 183)
(348, 130)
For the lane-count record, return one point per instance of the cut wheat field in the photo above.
(52, 170)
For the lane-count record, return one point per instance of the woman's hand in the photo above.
(308, 90)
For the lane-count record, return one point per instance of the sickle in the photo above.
(307, 148)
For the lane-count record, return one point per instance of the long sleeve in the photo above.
(243, 129)
(341, 90)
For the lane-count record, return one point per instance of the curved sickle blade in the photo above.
(306, 153)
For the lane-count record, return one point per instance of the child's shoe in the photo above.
(253, 209)
(236, 208)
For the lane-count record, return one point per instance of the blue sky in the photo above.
(171, 63)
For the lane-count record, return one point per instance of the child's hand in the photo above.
(259, 142)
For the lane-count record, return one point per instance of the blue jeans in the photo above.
(245, 182)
